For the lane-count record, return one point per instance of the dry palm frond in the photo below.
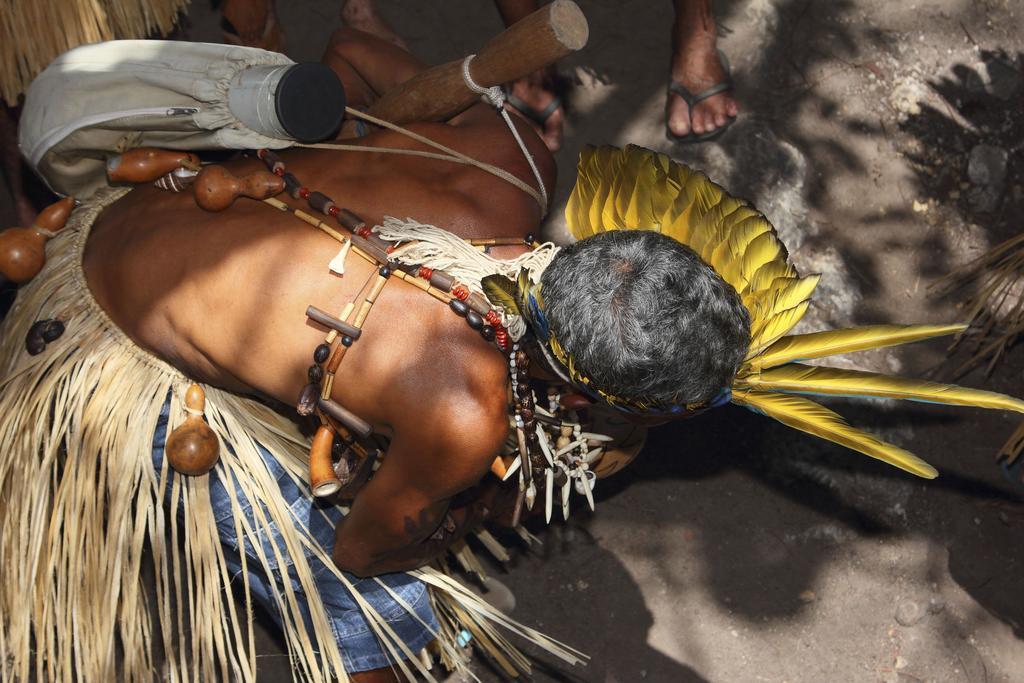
(995, 310)
(995, 307)
(34, 32)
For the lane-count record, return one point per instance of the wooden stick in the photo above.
(351, 421)
(329, 321)
(437, 94)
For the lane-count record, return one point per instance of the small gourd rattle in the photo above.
(216, 188)
(192, 447)
(23, 250)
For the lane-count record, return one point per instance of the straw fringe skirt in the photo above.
(83, 512)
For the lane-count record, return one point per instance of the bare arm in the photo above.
(426, 495)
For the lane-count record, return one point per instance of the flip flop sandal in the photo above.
(692, 101)
(538, 116)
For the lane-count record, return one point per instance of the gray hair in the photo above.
(645, 318)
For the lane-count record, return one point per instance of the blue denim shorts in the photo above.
(360, 648)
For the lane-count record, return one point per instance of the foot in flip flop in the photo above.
(535, 99)
(700, 103)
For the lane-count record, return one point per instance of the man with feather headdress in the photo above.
(675, 299)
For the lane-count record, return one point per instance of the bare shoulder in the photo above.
(489, 140)
(455, 400)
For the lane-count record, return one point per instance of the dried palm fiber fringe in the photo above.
(995, 309)
(34, 32)
(82, 503)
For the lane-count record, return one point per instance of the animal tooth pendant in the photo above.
(566, 489)
(549, 493)
(216, 188)
(322, 477)
(531, 495)
(193, 448)
(23, 250)
(146, 164)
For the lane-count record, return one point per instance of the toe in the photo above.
(678, 116)
(700, 122)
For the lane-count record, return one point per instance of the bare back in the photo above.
(222, 296)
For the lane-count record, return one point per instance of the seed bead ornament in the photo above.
(346, 329)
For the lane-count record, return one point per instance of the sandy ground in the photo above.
(736, 550)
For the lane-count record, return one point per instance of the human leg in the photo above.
(378, 64)
(696, 66)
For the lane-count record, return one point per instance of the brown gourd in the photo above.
(146, 164)
(322, 477)
(193, 448)
(216, 188)
(23, 250)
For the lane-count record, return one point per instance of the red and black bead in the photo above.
(272, 161)
(320, 202)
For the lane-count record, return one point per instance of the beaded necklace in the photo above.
(546, 450)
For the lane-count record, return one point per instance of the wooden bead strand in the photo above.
(316, 394)
(484, 319)
(193, 448)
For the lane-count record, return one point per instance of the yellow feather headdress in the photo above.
(637, 189)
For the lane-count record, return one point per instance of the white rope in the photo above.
(448, 154)
(496, 96)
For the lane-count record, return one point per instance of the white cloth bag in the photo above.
(102, 99)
